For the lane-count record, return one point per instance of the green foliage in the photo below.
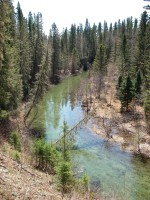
(65, 176)
(138, 84)
(10, 81)
(72, 38)
(147, 106)
(29, 59)
(100, 61)
(74, 61)
(64, 168)
(15, 140)
(4, 114)
(120, 80)
(143, 41)
(24, 50)
(55, 54)
(46, 156)
(126, 93)
(66, 143)
(85, 182)
(16, 156)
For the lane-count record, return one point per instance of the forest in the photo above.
(31, 62)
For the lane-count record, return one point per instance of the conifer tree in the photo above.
(100, 66)
(36, 37)
(126, 93)
(147, 78)
(92, 43)
(10, 81)
(100, 61)
(142, 42)
(119, 84)
(55, 54)
(64, 51)
(138, 84)
(72, 38)
(100, 37)
(23, 47)
(79, 41)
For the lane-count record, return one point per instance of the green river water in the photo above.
(112, 171)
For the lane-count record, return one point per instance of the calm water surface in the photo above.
(113, 171)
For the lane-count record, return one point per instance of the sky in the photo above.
(67, 12)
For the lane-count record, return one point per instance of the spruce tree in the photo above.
(138, 84)
(10, 81)
(126, 93)
(147, 77)
(23, 47)
(100, 62)
(119, 84)
(64, 51)
(55, 54)
(142, 42)
(72, 38)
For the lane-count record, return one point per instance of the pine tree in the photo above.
(115, 42)
(100, 66)
(36, 37)
(79, 41)
(138, 84)
(55, 54)
(119, 84)
(23, 47)
(120, 80)
(92, 43)
(126, 93)
(72, 38)
(142, 42)
(100, 61)
(42, 79)
(100, 37)
(10, 81)
(147, 77)
(64, 51)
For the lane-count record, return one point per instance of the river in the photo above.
(112, 171)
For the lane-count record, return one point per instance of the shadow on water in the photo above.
(111, 170)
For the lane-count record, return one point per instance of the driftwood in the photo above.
(74, 128)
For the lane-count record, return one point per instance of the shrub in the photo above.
(46, 156)
(65, 176)
(16, 156)
(15, 141)
(85, 182)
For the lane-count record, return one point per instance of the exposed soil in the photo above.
(20, 181)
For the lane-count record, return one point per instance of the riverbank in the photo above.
(19, 179)
(121, 128)
(60, 103)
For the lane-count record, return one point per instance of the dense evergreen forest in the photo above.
(30, 60)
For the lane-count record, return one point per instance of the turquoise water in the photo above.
(112, 171)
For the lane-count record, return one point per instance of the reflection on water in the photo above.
(111, 171)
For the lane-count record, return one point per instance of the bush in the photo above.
(65, 176)
(16, 156)
(46, 156)
(15, 141)
(4, 114)
(85, 182)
